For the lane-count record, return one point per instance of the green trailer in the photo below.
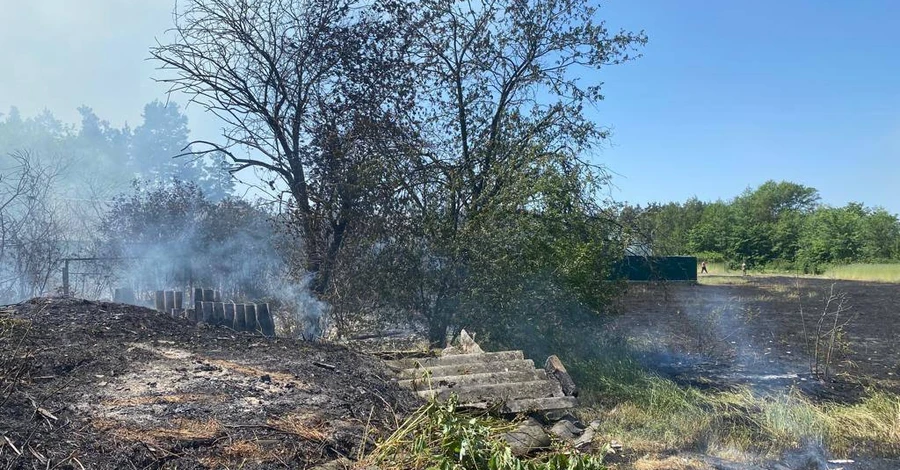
(656, 268)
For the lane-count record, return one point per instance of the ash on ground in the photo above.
(106, 385)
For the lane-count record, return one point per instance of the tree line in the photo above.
(97, 160)
(780, 225)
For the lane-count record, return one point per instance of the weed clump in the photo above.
(439, 436)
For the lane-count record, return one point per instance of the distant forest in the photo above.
(96, 160)
(778, 225)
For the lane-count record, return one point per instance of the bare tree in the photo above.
(825, 330)
(308, 93)
(32, 238)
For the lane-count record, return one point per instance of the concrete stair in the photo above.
(483, 380)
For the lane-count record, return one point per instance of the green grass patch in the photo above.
(651, 414)
(438, 436)
(865, 272)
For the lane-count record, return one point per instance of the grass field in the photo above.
(866, 272)
(656, 416)
(850, 272)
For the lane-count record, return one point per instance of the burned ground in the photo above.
(749, 331)
(105, 385)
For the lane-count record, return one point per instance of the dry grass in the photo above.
(865, 272)
(188, 429)
(310, 428)
(668, 463)
(253, 371)
(181, 429)
(239, 453)
(722, 280)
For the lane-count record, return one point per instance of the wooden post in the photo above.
(198, 295)
(264, 317)
(240, 319)
(219, 313)
(160, 301)
(229, 314)
(168, 300)
(252, 323)
(179, 299)
(207, 309)
(197, 314)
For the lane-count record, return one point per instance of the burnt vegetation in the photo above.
(406, 169)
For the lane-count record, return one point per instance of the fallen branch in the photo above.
(324, 365)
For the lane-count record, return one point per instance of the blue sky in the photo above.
(730, 94)
(727, 95)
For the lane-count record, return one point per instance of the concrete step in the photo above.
(496, 393)
(456, 359)
(539, 404)
(468, 369)
(525, 375)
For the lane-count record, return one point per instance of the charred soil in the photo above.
(749, 331)
(103, 385)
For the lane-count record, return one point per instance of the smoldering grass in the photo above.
(649, 413)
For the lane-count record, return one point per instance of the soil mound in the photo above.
(103, 385)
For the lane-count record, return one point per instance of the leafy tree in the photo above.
(309, 92)
(715, 231)
(880, 233)
(162, 136)
(502, 185)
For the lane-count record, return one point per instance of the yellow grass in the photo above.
(305, 427)
(181, 429)
(648, 462)
(866, 272)
(740, 423)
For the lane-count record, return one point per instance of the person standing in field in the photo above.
(744, 268)
(703, 268)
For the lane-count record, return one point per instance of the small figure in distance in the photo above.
(703, 268)
(744, 268)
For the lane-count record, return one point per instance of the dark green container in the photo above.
(656, 268)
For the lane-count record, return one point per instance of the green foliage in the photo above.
(777, 225)
(438, 436)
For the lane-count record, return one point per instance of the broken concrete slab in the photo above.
(527, 437)
(557, 371)
(566, 431)
(484, 380)
(467, 369)
(466, 345)
(460, 359)
(523, 375)
(497, 392)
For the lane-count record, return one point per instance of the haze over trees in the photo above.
(58, 181)
(437, 151)
(778, 224)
